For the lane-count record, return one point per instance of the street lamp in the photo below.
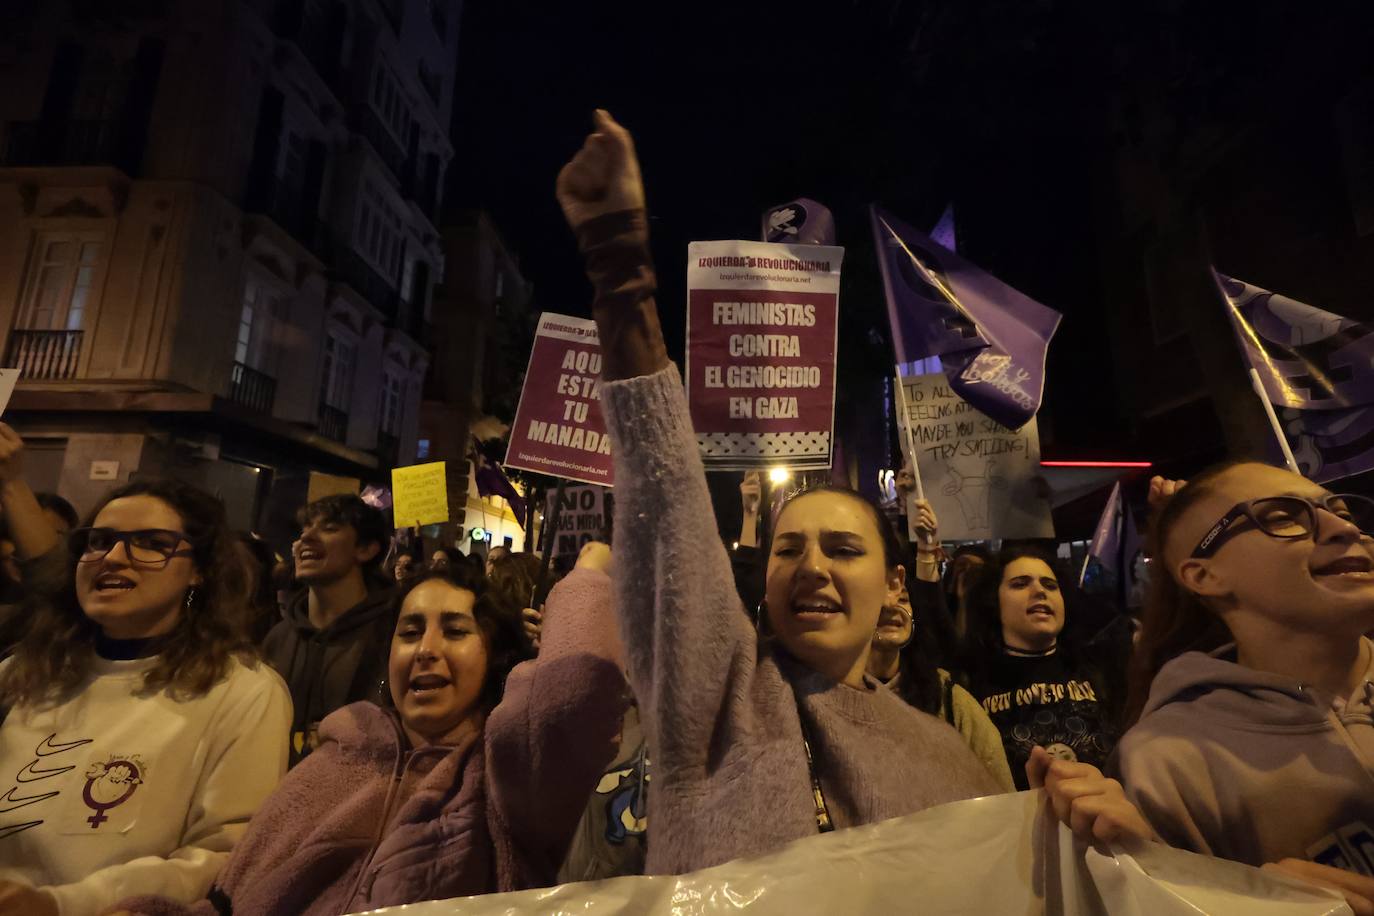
(779, 476)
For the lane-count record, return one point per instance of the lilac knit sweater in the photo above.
(723, 715)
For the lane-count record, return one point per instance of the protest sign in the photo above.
(981, 477)
(322, 485)
(419, 495)
(761, 329)
(582, 518)
(558, 426)
(8, 379)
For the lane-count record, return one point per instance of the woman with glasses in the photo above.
(139, 732)
(1252, 689)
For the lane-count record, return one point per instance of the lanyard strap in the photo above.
(823, 822)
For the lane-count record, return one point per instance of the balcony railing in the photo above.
(44, 354)
(333, 423)
(37, 143)
(251, 388)
(353, 269)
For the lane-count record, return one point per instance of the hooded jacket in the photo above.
(367, 822)
(1254, 767)
(330, 668)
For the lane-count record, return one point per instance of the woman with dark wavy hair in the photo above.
(1028, 667)
(139, 731)
(468, 782)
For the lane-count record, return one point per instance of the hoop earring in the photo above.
(761, 618)
(190, 598)
(911, 634)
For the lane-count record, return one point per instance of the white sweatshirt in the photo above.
(113, 793)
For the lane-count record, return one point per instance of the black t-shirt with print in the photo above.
(1042, 700)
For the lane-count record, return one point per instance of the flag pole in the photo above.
(904, 420)
(1274, 421)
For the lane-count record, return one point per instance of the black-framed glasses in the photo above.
(1286, 518)
(151, 547)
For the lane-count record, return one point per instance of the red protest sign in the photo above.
(762, 321)
(559, 429)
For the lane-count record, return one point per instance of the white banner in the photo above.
(1004, 854)
(982, 478)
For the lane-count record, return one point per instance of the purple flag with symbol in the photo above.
(1317, 369)
(492, 481)
(990, 338)
(1116, 542)
(799, 222)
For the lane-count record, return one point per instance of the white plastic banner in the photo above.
(1002, 854)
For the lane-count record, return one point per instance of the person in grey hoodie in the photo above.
(1251, 697)
(326, 647)
(755, 741)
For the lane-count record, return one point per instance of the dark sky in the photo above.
(1006, 109)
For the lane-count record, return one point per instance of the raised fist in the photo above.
(751, 493)
(603, 177)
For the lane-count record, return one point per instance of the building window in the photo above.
(261, 321)
(61, 281)
(379, 232)
(390, 103)
(422, 452)
(393, 404)
(336, 380)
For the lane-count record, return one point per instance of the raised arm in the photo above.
(688, 643)
(32, 533)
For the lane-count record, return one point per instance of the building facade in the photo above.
(218, 240)
(480, 341)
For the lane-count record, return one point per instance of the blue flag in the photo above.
(1317, 369)
(991, 339)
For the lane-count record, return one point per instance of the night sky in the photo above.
(1005, 109)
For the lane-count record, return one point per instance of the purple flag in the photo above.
(991, 339)
(1317, 369)
(800, 222)
(1116, 542)
(492, 481)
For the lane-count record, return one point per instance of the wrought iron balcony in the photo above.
(251, 388)
(44, 354)
(333, 423)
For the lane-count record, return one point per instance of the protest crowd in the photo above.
(353, 725)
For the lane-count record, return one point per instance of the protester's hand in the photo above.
(604, 175)
(595, 555)
(1357, 889)
(21, 900)
(751, 493)
(11, 454)
(533, 622)
(905, 482)
(926, 521)
(1093, 806)
(1161, 491)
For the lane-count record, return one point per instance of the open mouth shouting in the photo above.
(112, 584)
(422, 686)
(1355, 568)
(1041, 611)
(817, 609)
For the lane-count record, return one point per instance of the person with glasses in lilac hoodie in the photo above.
(759, 736)
(1250, 699)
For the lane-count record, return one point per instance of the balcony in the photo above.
(353, 269)
(289, 207)
(251, 388)
(44, 354)
(367, 123)
(40, 143)
(333, 423)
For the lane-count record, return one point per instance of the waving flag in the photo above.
(990, 338)
(1116, 542)
(1317, 368)
(492, 481)
(800, 222)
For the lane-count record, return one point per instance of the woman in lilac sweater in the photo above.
(756, 742)
(456, 791)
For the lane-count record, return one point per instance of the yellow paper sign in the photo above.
(419, 495)
(322, 485)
